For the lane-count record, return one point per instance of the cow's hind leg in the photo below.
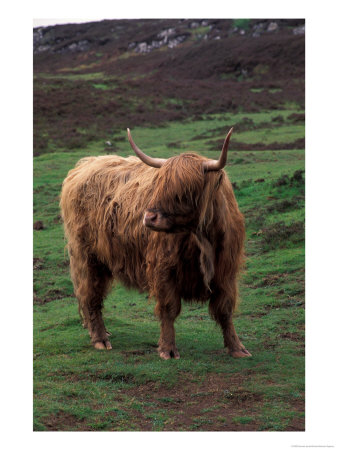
(167, 313)
(221, 309)
(91, 280)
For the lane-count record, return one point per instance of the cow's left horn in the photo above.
(153, 162)
(218, 165)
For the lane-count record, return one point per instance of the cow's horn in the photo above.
(153, 162)
(218, 165)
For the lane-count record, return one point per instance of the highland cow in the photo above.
(171, 228)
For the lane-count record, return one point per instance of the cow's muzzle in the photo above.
(155, 220)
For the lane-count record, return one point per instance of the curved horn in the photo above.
(153, 162)
(218, 165)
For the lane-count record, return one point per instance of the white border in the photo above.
(321, 221)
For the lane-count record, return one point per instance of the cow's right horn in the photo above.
(153, 162)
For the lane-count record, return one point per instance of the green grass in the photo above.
(242, 23)
(199, 32)
(130, 388)
(72, 76)
(101, 86)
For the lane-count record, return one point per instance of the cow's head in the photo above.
(183, 189)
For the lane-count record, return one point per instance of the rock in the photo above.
(78, 46)
(142, 47)
(259, 27)
(37, 36)
(42, 48)
(273, 26)
(166, 33)
(299, 30)
(72, 47)
(177, 40)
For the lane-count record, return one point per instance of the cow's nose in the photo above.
(150, 217)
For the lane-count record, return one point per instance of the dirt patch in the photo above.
(297, 118)
(64, 421)
(258, 314)
(38, 225)
(279, 235)
(285, 180)
(37, 300)
(273, 279)
(55, 294)
(216, 404)
(51, 295)
(292, 336)
(38, 263)
(284, 205)
(297, 424)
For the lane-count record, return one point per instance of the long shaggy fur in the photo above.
(103, 202)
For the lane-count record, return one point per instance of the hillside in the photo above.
(95, 79)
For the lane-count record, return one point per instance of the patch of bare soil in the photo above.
(297, 337)
(273, 279)
(216, 404)
(38, 225)
(53, 294)
(38, 263)
(65, 422)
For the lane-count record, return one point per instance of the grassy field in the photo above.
(130, 388)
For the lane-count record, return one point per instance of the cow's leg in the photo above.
(91, 280)
(167, 311)
(221, 309)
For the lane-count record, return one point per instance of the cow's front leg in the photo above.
(167, 311)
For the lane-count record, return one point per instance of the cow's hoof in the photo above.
(175, 354)
(103, 345)
(165, 355)
(242, 353)
(168, 355)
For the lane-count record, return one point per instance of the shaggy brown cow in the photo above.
(168, 227)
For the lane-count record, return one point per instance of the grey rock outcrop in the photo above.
(273, 26)
(299, 30)
(166, 37)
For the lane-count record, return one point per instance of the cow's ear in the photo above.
(206, 259)
(219, 180)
